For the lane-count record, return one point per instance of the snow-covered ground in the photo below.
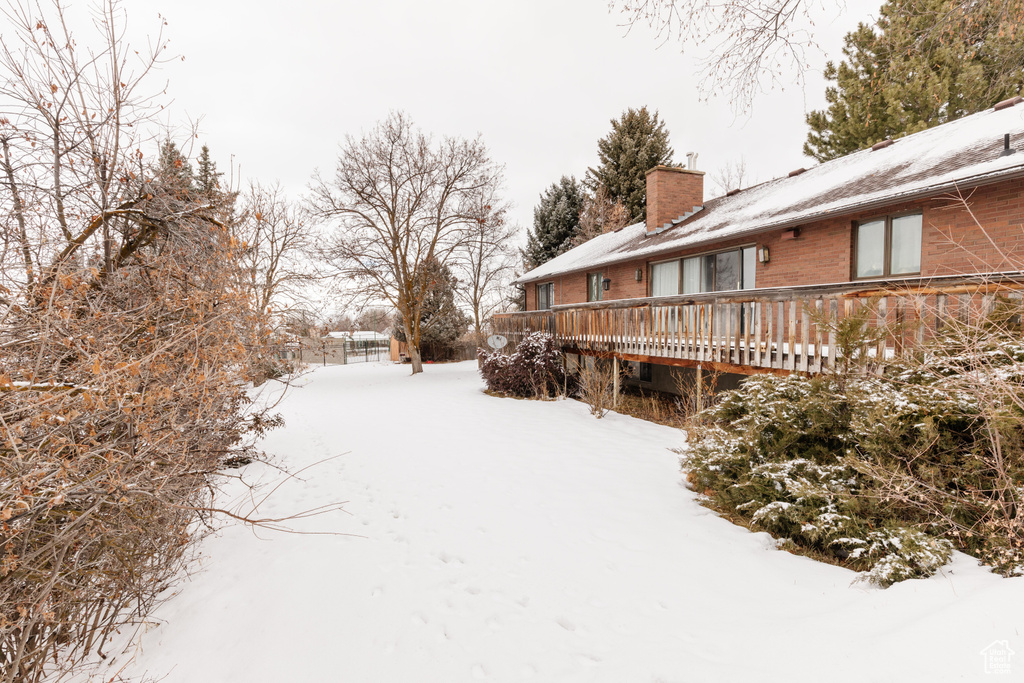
(505, 540)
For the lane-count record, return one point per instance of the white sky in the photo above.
(278, 86)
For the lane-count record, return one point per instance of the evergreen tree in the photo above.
(914, 70)
(174, 171)
(442, 323)
(555, 221)
(637, 143)
(207, 176)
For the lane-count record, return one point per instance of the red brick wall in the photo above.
(951, 243)
(671, 192)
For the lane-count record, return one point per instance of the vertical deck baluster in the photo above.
(882, 321)
(988, 302)
(725, 332)
(791, 360)
(737, 332)
(805, 336)
(678, 350)
(756, 319)
(769, 318)
(747, 317)
(819, 313)
(941, 311)
(901, 324)
(919, 320)
(779, 326)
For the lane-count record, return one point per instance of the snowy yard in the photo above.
(506, 540)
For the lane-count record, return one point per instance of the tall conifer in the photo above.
(915, 69)
(637, 143)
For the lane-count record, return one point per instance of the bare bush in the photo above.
(698, 391)
(597, 383)
(126, 345)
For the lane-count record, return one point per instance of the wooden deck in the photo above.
(780, 330)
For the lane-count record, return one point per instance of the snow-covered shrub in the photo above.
(776, 455)
(942, 440)
(901, 554)
(884, 474)
(534, 369)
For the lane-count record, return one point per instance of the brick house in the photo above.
(720, 280)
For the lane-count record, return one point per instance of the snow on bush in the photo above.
(533, 370)
(882, 474)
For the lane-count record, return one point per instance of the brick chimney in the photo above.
(671, 193)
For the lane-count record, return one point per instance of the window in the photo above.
(716, 272)
(545, 294)
(643, 372)
(595, 284)
(665, 278)
(886, 246)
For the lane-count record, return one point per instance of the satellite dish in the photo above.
(496, 341)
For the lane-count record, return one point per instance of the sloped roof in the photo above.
(963, 153)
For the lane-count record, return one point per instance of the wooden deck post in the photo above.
(615, 382)
(700, 387)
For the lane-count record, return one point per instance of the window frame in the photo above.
(887, 247)
(551, 294)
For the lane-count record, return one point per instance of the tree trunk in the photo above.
(414, 356)
(412, 343)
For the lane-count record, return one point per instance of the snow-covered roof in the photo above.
(962, 153)
(369, 335)
(359, 335)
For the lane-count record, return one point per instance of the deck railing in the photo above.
(768, 330)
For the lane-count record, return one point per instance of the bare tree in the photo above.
(600, 214)
(485, 263)
(374, 319)
(730, 176)
(747, 46)
(399, 201)
(276, 244)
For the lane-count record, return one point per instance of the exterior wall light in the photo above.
(639, 274)
(763, 256)
(607, 283)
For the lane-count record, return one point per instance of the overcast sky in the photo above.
(277, 86)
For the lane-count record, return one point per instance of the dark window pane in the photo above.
(544, 296)
(708, 274)
(727, 271)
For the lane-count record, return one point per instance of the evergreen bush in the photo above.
(884, 474)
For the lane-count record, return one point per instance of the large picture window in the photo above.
(717, 272)
(595, 285)
(887, 246)
(545, 294)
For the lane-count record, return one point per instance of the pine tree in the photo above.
(174, 170)
(555, 221)
(914, 70)
(637, 143)
(207, 176)
(442, 323)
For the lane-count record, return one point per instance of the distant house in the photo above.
(733, 281)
